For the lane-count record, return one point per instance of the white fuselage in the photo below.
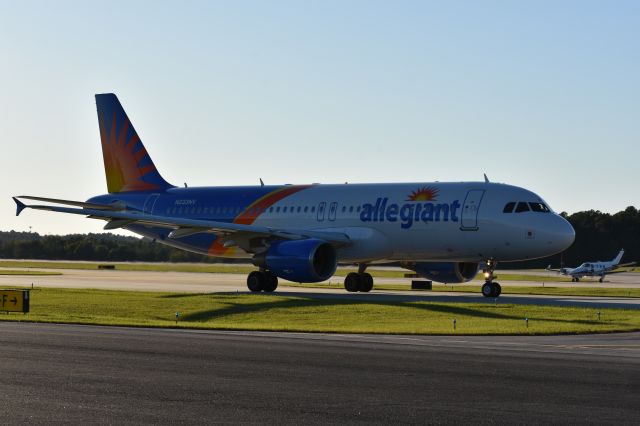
(435, 221)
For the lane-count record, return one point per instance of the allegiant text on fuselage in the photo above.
(409, 212)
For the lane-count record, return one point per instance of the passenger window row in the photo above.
(234, 210)
(521, 207)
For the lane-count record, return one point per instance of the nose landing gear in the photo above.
(490, 288)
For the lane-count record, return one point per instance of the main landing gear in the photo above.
(490, 288)
(358, 281)
(258, 281)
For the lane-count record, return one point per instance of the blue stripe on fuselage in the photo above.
(235, 198)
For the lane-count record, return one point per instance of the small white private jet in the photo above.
(594, 269)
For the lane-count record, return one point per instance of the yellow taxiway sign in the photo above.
(14, 300)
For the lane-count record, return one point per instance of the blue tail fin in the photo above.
(618, 258)
(127, 164)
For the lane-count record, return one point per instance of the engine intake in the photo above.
(305, 261)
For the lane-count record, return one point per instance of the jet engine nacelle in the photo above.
(446, 272)
(305, 261)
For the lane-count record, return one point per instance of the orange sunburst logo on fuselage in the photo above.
(427, 193)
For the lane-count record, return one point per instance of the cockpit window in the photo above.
(522, 207)
(508, 208)
(539, 207)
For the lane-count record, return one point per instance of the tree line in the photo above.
(599, 236)
(91, 247)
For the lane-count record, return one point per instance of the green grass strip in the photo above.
(506, 289)
(285, 313)
(25, 272)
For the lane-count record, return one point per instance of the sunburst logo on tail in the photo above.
(426, 193)
(127, 164)
(124, 159)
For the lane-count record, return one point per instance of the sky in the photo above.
(540, 94)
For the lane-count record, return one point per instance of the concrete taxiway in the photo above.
(211, 283)
(105, 375)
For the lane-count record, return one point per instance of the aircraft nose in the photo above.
(564, 234)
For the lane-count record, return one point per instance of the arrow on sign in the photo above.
(14, 300)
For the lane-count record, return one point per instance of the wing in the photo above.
(615, 271)
(234, 234)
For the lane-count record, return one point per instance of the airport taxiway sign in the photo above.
(14, 300)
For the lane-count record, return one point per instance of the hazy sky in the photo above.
(544, 95)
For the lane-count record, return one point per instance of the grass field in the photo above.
(273, 312)
(506, 289)
(24, 272)
(234, 269)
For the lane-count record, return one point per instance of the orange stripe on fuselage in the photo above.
(251, 213)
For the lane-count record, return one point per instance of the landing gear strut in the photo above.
(490, 288)
(359, 281)
(258, 281)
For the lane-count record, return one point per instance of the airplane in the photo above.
(594, 269)
(300, 233)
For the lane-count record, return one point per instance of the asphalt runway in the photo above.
(225, 283)
(104, 375)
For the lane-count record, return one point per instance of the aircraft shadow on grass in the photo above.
(303, 300)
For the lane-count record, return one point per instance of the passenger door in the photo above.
(470, 208)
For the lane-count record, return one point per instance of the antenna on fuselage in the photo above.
(486, 179)
(261, 182)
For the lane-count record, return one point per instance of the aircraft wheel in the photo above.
(271, 282)
(497, 289)
(601, 280)
(366, 282)
(352, 282)
(487, 290)
(256, 281)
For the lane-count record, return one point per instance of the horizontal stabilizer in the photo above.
(111, 207)
(19, 206)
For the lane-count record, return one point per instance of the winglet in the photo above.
(19, 206)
